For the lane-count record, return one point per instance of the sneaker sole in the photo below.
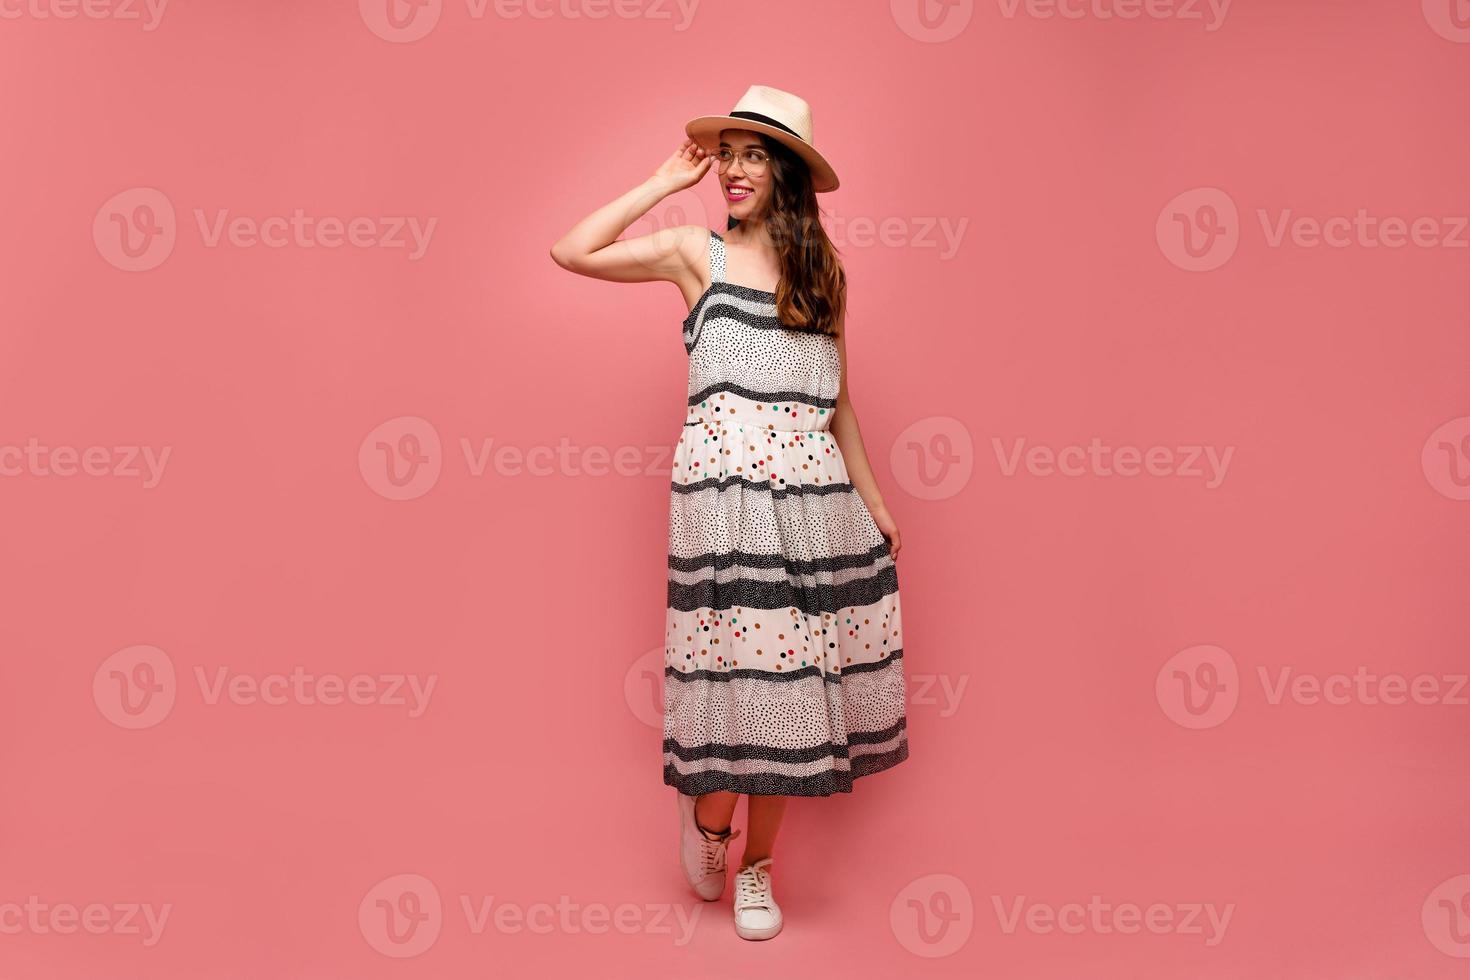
(756, 935)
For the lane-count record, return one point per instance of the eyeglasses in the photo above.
(752, 161)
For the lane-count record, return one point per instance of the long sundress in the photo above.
(783, 653)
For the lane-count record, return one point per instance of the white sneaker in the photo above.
(702, 859)
(757, 916)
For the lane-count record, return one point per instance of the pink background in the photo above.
(1071, 151)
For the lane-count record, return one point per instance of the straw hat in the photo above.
(780, 115)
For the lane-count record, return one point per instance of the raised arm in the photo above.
(591, 248)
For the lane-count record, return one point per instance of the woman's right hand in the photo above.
(684, 168)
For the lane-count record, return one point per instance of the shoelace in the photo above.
(712, 852)
(753, 888)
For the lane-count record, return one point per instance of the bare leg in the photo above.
(763, 819)
(712, 811)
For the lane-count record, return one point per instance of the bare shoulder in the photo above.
(690, 242)
(689, 245)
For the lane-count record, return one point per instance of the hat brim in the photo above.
(705, 130)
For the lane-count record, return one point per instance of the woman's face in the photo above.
(747, 193)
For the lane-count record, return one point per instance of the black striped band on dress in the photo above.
(778, 491)
(722, 295)
(773, 397)
(813, 600)
(771, 753)
(800, 673)
(720, 560)
(776, 784)
(718, 292)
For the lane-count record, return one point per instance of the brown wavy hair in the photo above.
(812, 293)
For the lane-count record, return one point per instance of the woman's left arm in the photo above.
(850, 442)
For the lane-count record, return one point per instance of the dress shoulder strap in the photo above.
(716, 257)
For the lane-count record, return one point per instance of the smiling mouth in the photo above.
(738, 192)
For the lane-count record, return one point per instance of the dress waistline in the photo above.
(727, 420)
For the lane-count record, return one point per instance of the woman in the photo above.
(783, 667)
